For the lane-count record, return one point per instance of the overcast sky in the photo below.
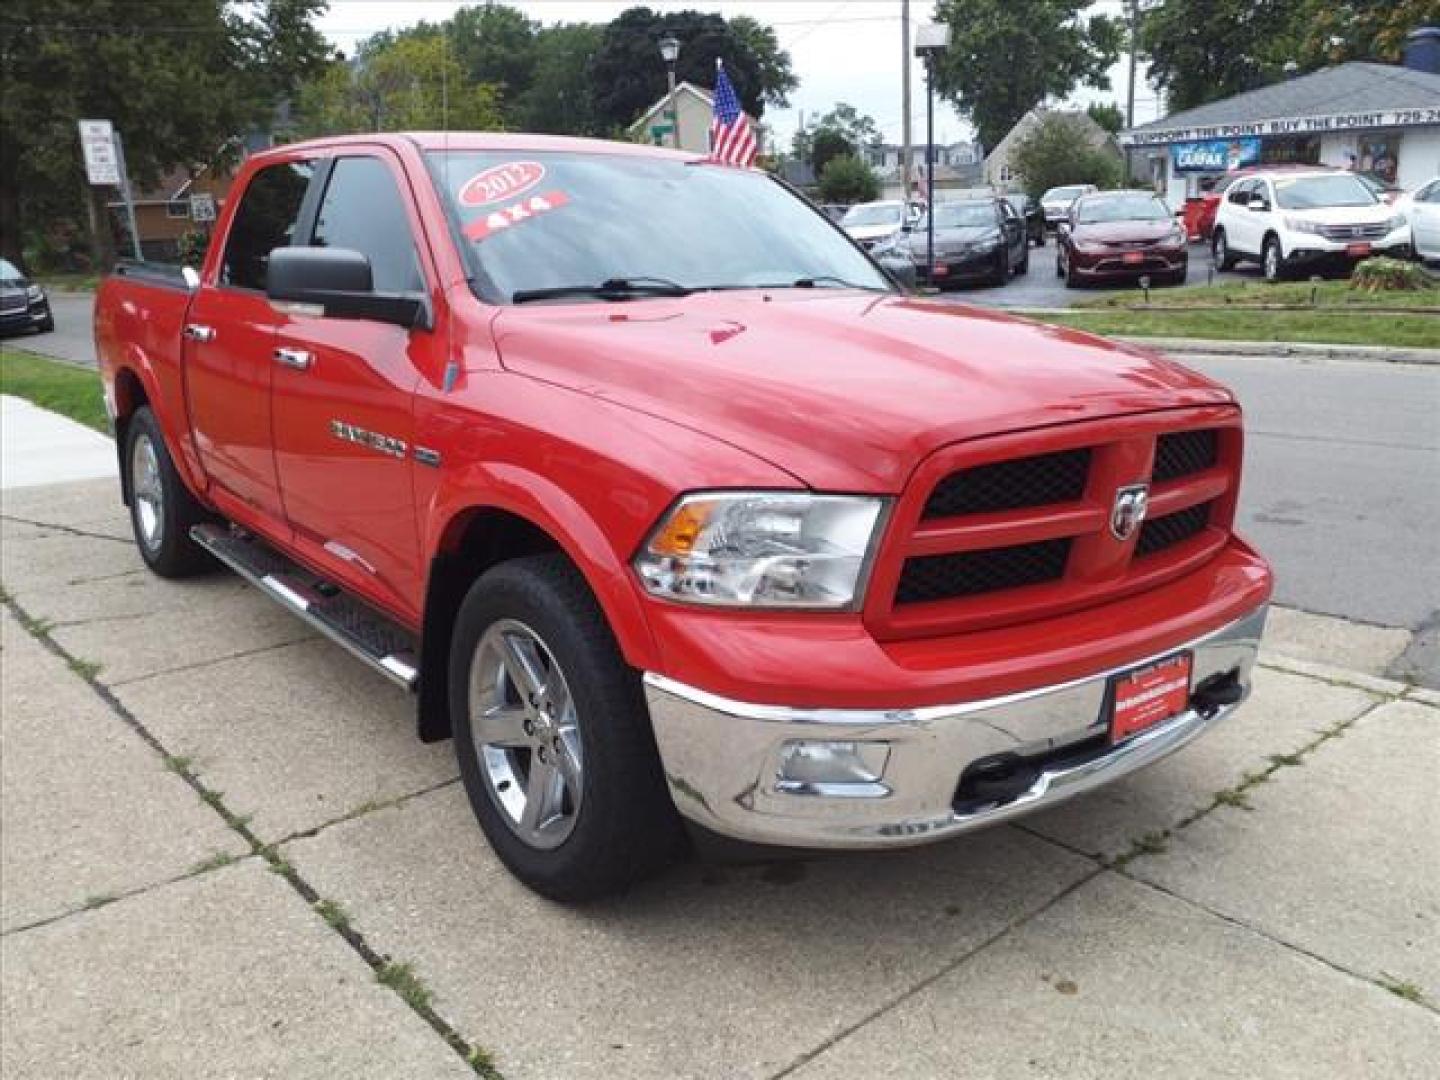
(841, 50)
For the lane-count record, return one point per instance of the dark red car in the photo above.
(1121, 234)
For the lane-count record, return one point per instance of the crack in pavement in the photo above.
(69, 529)
(473, 1056)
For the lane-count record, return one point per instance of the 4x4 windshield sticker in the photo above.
(507, 217)
(501, 182)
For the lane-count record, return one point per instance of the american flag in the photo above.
(731, 139)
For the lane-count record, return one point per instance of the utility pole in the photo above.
(1134, 44)
(905, 150)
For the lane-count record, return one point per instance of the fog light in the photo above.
(833, 762)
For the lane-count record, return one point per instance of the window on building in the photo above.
(177, 208)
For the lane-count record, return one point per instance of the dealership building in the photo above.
(1376, 118)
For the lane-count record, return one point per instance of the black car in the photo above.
(23, 306)
(975, 240)
(1034, 215)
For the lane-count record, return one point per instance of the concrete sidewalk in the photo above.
(38, 446)
(225, 854)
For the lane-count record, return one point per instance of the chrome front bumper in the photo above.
(726, 761)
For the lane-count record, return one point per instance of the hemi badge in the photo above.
(425, 456)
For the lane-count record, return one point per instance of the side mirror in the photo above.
(339, 282)
(1062, 229)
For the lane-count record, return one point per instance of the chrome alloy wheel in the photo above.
(147, 492)
(526, 733)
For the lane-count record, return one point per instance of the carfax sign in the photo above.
(1215, 155)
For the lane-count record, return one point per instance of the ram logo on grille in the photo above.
(1128, 513)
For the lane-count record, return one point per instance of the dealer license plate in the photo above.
(1146, 696)
(1133, 257)
(1358, 249)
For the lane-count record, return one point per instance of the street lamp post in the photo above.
(670, 52)
(931, 39)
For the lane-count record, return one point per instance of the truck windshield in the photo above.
(537, 222)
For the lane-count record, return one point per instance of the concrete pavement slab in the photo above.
(224, 975)
(1117, 981)
(295, 736)
(39, 447)
(88, 809)
(1338, 856)
(220, 622)
(1428, 697)
(1284, 713)
(57, 558)
(707, 972)
(1337, 642)
(75, 504)
(119, 598)
(1332, 674)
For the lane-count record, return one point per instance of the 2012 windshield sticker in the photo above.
(501, 182)
(507, 217)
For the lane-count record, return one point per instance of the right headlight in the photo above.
(777, 549)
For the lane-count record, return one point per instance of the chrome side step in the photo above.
(348, 622)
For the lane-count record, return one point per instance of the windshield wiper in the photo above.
(616, 288)
(822, 281)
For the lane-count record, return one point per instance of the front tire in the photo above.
(1272, 260)
(48, 326)
(1220, 251)
(553, 736)
(162, 510)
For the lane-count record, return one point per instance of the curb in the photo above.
(1376, 354)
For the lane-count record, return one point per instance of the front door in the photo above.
(229, 337)
(344, 392)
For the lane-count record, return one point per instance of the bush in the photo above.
(1381, 274)
(847, 179)
(1058, 151)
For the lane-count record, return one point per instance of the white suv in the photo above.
(1288, 220)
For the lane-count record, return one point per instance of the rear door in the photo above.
(230, 337)
(344, 390)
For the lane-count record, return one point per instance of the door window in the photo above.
(265, 220)
(362, 211)
(1240, 193)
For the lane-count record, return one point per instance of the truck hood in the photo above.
(847, 391)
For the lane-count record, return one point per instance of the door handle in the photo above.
(197, 332)
(298, 359)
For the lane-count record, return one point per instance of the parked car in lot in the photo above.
(1320, 220)
(24, 305)
(1121, 235)
(873, 223)
(975, 240)
(668, 508)
(1056, 202)
(1422, 210)
(1211, 199)
(1032, 213)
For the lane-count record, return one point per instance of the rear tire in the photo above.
(569, 730)
(162, 510)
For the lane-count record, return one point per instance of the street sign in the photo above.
(202, 207)
(97, 142)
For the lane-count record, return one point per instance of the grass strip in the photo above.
(62, 388)
(1232, 324)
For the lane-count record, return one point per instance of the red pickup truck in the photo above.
(671, 508)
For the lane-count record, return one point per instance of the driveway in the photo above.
(226, 854)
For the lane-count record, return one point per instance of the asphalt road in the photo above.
(1342, 488)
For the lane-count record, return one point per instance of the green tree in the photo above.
(1007, 56)
(627, 75)
(1328, 32)
(1201, 50)
(776, 77)
(180, 81)
(410, 82)
(848, 180)
(1058, 151)
(843, 131)
(558, 99)
(1107, 114)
